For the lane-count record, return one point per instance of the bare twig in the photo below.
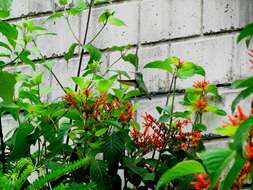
(84, 42)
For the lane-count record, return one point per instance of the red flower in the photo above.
(71, 101)
(242, 176)
(202, 181)
(249, 151)
(186, 139)
(200, 84)
(201, 104)
(237, 118)
(152, 137)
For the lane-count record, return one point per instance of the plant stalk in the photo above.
(84, 42)
(2, 146)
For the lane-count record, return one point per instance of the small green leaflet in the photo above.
(5, 6)
(116, 21)
(7, 86)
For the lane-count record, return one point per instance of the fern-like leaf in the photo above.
(39, 183)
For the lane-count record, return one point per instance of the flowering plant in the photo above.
(89, 138)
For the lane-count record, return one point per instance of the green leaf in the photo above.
(242, 134)
(63, 2)
(30, 26)
(104, 16)
(97, 2)
(226, 131)
(215, 162)
(95, 54)
(55, 15)
(49, 64)
(7, 86)
(6, 46)
(70, 167)
(231, 176)
(131, 58)
(21, 141)
(5, 6)
(101, 132)
(189, 69)
(179, 170)
(99, 174)
(24, 57)
(114, 145)
(116, 21)
(243, 83)
(159, 64)
(79, 7)
(81, 82)
(246, 32)
(70, 53)
(216, 110)
(9, 31)
(103, 85)
(241, 96)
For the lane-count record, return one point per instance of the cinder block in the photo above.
(113, 35)
(8, 124)
(213, 54)
(30, 7)
(155, 80)
(242, 67)
(57, 44)
(224, 15)
(213, 144)
(163, 19)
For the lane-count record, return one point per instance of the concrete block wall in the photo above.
(203, 31)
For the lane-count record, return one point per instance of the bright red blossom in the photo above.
(202, 181)
(201, 104)
(237, 118)
(187, 139)
(152, 137)
(200, 84)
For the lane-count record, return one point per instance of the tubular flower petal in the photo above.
(152, 137)
(201, 105)
(200, 84)
(237, 118)
(202, 181)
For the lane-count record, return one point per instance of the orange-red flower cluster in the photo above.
(202, 181)
(152, 137)
(237, 118)
(249, 151)
(126, 115)
(200, 84)
(242, 176)
(251, 57)
(97, 107)
(70, 100)
(187, 139)
(201, 105)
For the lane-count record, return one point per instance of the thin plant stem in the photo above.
(72, 31)
(101, 29)
(51, 71)
(170, 88)
(84, 42)
(2, 146)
